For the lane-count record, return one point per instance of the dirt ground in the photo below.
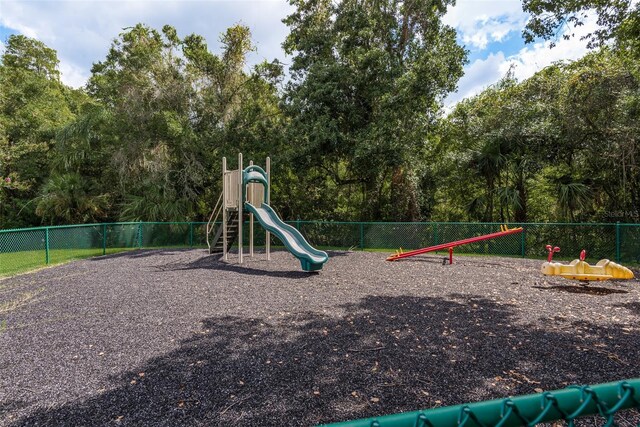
(182, 338)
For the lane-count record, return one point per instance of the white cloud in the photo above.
(478, 75)
(481, 22)
(535, 57)
(73, 75)
(82, 31)
(526, 62)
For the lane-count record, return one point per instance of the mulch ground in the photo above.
(181, 338)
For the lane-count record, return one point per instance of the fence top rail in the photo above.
(167, 223)
(475, 224)
(519, 224)
(567, 404)
(49, 227)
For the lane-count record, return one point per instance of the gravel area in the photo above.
(182, 338)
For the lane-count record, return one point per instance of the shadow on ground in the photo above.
(143, 253)
(383, 355)
(215, 262)
(632, 306)
(583, 289)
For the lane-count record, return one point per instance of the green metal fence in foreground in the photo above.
(568, 404)
(25, 249)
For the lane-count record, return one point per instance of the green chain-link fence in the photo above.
(603, 400)
(25, 249)
(619, 242)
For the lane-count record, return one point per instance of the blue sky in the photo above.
(81, 31)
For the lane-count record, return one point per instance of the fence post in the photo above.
(46, 245)
(362, 236)
(104, 239)
(298, 224)
(191, 234)
(435, 233)
(618, 241)
(522, 243)
(140, 235)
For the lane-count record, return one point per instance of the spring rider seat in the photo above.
(579, 269)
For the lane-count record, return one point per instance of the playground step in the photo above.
(217, 245)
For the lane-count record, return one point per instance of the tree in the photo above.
(618, 20)
(559, 146)
(234, 110)
(69, 199)
(165, 110)
(147, 95)
(30, 55)
(601, 104)
(33, 105)
(367, 80)
(504, 136)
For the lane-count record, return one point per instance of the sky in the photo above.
(81, 31)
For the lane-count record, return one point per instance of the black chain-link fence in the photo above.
(25, 249)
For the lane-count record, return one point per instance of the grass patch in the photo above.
(22, 300)
(12, 263)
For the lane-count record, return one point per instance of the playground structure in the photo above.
(247, 192)
(579, 269)
(504, 231)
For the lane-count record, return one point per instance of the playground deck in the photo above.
(178, 338)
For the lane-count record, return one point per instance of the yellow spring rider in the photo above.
(580, 270)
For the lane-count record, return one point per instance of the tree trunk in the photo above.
(521, 208)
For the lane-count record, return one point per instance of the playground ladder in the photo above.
(212, 220)
(217, 242)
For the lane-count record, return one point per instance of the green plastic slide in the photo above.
(310, 258)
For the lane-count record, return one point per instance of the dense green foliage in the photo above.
(356, 131)
(34, 105)
(558, 146)
(365, 90)
(147, 140)
(617, 21)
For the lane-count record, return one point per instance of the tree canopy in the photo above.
(617, 21)
(33, 106)
(366, 87)
(356, 129)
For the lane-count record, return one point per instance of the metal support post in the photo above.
(224, 210)
(46, 245)
(251, 219)
(268, 201)
(435, 233)
(618, 241)
(240, 206)
(104, 239)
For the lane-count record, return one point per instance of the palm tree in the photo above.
(68, 199)
(573, 195)
(488, 161)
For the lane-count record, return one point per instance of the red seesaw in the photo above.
(504, 231)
